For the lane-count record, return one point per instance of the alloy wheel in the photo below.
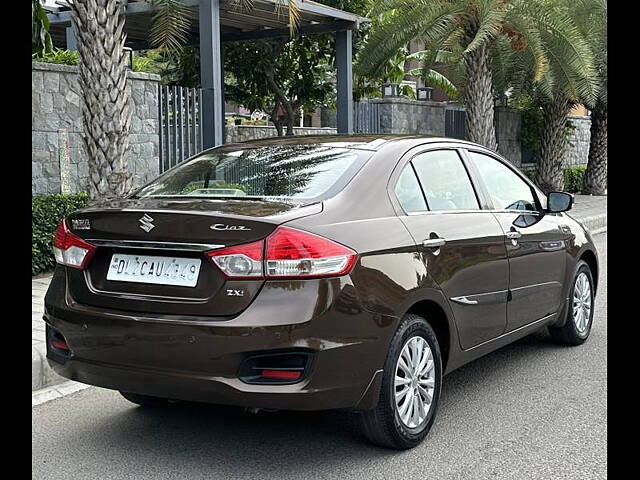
(414, 382)
(582, 303)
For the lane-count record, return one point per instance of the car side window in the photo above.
(506, 189)
(409, 192)
(445, 181)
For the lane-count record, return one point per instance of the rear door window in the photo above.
(445, 181)
(409, 192)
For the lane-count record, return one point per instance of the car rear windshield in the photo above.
(302, 173)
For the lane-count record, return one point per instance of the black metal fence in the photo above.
(455, 123)
(180, 124)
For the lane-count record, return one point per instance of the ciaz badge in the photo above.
(222, 226)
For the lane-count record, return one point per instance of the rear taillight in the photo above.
(241, 261)
(292, 253)
(286, 253)
(71, 250)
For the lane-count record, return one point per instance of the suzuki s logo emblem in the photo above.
(222, 226)
(146, 223)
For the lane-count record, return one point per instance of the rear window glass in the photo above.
(299, 172)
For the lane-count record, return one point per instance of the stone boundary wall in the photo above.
(241, 133)
(403, 115)
(56, 117)
(56, 120)
(508, 123)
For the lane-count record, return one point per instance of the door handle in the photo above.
(464, 301)
(434, 242)
(513, 235)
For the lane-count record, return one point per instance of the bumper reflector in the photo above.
(60, 344)
(281, 374)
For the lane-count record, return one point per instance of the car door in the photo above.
(461, 245)
(536, 242)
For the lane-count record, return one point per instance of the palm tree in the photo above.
(570, 79)
(592, 15)
(106, 105)
(467, 29)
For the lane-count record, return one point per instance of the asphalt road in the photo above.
(532, 410)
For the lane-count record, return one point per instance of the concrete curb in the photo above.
(595, 224)
(60, 390)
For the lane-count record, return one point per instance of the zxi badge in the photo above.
(146, 223)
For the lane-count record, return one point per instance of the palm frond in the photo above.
(435, 79)
(490, 17)
(428, 21)
(171, 24)
(570, 57)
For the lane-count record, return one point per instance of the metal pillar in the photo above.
(71, 38)
(211, 74)
(344, 82)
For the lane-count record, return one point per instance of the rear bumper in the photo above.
(198, 359)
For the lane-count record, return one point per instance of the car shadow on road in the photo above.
(238, 443)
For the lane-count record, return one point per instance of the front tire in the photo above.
(411, 383)
(577, 327)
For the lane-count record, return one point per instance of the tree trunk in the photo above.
(276, 120)
(290, 120)
(549, 176)
(478, 97)
(106, 107)
(595, 180)
(282, 98)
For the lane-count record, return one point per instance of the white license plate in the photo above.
(150, 269)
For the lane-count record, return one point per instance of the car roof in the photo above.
(373, 142)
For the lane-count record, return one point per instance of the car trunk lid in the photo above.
(180, 232)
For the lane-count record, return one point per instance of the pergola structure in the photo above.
(222, 21)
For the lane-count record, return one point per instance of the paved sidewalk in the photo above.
(41, 374)
(591, 211)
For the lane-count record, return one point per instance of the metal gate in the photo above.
(366, 117)
(455, 123)
(180, 124)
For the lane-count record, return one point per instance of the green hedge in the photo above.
(573, 178)
(46, 213)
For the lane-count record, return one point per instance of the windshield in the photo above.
(299, 172)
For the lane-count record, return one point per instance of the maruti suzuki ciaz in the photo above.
(307, 273)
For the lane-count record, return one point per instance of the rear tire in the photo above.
(396, 424)
(577, 327)
(146, 400)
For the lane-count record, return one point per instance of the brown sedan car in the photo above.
(312, 273)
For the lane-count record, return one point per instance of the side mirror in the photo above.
(559, 202)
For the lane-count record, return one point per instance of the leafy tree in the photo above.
(40, 38)
(280, 76)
